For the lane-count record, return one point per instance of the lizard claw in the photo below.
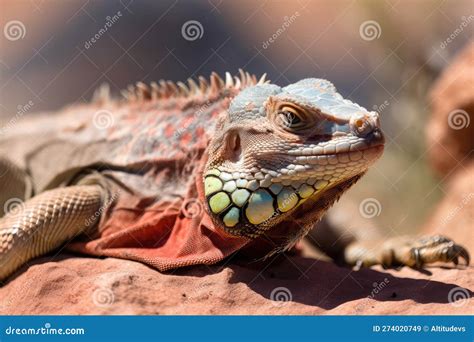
(461, 252)
(416, 256)
(408, 251)
(437, 248)
(358, 265)
(456, 261)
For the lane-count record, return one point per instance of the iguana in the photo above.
(176, 174)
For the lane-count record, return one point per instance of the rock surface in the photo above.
(450, 130)
(72, 285)
(454, 215)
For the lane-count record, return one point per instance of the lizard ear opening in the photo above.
(234, 147)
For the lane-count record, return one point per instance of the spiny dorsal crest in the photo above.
(167, 89)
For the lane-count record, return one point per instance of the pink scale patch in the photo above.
(186, 140)
(169, 130)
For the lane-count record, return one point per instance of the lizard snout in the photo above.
(367, 126)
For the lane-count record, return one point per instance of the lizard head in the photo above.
(276, 148)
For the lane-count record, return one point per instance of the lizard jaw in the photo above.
(249, 207)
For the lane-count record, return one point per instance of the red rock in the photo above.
(81, 285)
(451, 128)
(454, 215)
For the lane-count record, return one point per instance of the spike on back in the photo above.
(102, 94)
(167, 89)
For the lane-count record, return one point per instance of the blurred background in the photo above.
(382, 54)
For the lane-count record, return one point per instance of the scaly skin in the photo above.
(277, 159)
(45, 222)
(283, 146)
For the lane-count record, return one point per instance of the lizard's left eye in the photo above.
(290, 117)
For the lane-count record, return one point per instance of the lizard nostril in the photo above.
(361, 125)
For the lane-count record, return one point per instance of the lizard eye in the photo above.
(290, 117)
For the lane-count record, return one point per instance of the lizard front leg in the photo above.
(405, 251)
(45, 222)
(364, 246)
